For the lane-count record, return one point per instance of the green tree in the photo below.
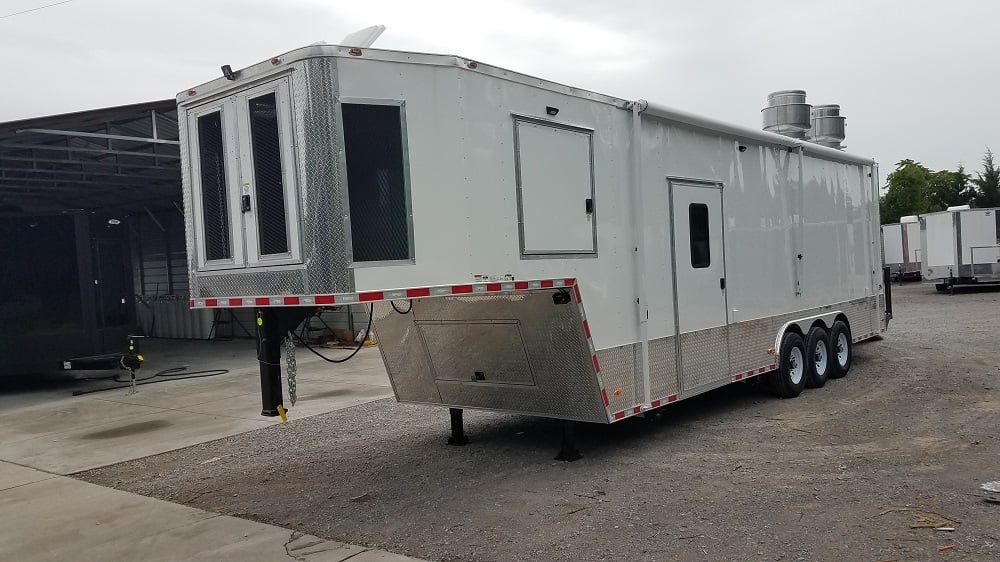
(987, 183)
(907, 191)
(947, 189)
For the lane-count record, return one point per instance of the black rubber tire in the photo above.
(817, 336)
(941, 287)
(838, 369)
(780, 382)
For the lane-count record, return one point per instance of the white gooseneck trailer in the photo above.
(961, 247)
(525, 246)
(901, 248)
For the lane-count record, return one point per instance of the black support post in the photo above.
(269, 337)
(568, 451)
(458, 436)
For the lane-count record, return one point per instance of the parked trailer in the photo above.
(961, 247)
(525, 246)
(901, 248)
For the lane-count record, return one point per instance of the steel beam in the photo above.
(85, 182)
(98, 136)
(90, 150)
(86, 163)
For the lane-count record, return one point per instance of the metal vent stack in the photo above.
(827, 126)
(787, 113)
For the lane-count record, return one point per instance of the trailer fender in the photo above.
(803, 324)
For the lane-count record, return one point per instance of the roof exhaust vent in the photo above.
(787, 113)
(827, 126)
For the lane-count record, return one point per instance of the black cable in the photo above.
(353, 353)
(175, 373)
(408, 310)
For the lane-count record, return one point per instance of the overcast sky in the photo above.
(916, 80)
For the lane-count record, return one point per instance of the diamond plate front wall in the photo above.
(320, 193)
(663, 367)
(622, 371)
(703, 357)
(565, 384)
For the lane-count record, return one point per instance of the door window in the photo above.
(214, 187)
(265, 143)
(701, 253)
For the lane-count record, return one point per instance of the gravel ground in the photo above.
(840, 473)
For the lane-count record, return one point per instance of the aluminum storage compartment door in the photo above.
(700, 278)
(555, 188)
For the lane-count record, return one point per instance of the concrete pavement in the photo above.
(46, 433)
(50, 517)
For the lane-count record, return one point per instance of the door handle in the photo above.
(722, 283)
(245, 204)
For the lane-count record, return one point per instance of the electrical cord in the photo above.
(174, 373)
(353, 353)
(408, 310)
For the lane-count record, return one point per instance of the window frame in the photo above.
(407, 183)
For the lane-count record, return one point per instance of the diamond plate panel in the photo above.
(750, 341)
(621, 369)
(321, 199)
(704, 360)
(553, 341)
(663, 367)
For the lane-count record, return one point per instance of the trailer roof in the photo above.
(278, 64)
(120, 159)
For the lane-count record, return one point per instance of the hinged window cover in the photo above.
(554, 168)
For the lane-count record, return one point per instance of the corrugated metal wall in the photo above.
(160, 274)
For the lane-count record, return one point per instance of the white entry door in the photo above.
(700, 283)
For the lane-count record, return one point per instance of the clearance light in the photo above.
(472, 64)
(275, 60)
(191, 92)
(355, 52)
(771, 351)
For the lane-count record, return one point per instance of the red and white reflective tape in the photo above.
(754, 372)
(637, 409)
(864, 337)
(590, 344)
(376, 296)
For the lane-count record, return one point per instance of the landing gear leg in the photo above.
(269, 337)
(568, 451)
(458, 436)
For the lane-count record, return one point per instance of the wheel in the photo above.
(941, 287)
(841, 350)
(818, 351)
(790, 378)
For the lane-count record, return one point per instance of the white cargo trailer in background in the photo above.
(525, 246)
(961, 247)
(901, 248)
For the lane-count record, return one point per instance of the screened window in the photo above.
(214, 200)
(376, 182)
(265, 145)
(700, 247)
